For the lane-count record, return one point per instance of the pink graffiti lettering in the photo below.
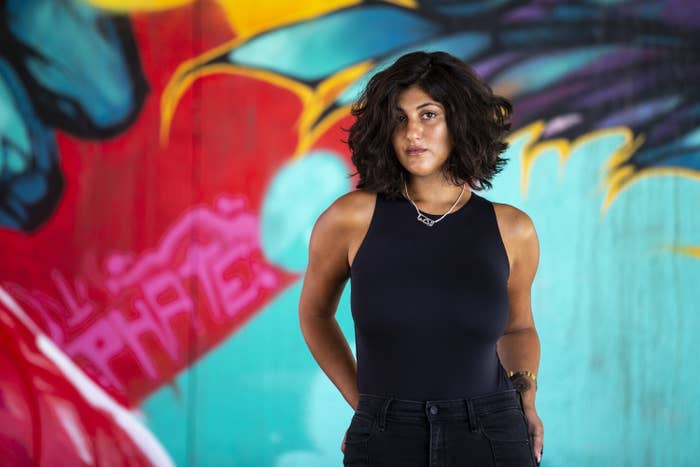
(167, 297)
(235, 293)
(78, 307)
(99, 344)
(132, 330)
(215, 250)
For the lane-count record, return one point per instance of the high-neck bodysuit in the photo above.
(430, 303)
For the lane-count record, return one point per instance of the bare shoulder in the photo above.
(330, 240)
(350, 210)
(358, 208)
(518, 233)
(513, 222)
(340, 225)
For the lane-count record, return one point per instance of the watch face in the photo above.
(522, 383)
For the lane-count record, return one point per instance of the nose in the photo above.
(414, 131)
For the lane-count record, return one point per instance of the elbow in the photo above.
(521, 330)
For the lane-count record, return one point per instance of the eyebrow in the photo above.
(422, 105)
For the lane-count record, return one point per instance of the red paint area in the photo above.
(44, 418)
(124, 196)
(152, 257)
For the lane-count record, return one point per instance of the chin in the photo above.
(423, 173)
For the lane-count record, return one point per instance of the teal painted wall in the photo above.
(163, 164)
(615, 309)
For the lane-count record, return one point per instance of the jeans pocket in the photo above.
(509, 437)
(356, 439)
(361, 428)
(505, 425)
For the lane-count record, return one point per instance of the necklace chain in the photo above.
(424, 219)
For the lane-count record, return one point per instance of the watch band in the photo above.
(514, 374)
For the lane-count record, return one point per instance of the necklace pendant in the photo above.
(426, 220)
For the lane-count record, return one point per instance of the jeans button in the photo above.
(433, 410)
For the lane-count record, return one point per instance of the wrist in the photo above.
(527, 399)
(523, 380)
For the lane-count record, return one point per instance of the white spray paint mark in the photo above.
(91, 392)
(77, 436)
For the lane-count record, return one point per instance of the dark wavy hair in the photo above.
(477, 121)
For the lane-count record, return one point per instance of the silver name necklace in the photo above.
(426, 220)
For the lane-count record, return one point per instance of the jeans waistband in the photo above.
(464, 409)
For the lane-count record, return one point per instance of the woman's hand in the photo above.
(342, 445)
(536, 428)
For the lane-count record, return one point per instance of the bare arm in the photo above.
(519, 347)
(325, 278)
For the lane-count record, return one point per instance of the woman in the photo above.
(447, 350)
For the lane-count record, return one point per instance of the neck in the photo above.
(435, 193)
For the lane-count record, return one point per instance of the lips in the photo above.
(415, 151)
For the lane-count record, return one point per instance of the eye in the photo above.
(400, 118)
(430, 115)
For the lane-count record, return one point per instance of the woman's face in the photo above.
(421, 139)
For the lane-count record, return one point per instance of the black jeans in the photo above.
(483, 431)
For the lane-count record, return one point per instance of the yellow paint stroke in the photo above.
(272, 13)
(250, 18)
(693, 251)
(532, 149)
(247, 18)
(625, 176)
(412, 4)
(185, 74)
(619, 176)
(314, 101)
(325, 94)
(179, 84)
(190, 70)
(256, 17)
(123, 6)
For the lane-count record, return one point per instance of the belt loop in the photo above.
(382, 413)
(471, 415)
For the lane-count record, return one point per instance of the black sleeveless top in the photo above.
(429, 303)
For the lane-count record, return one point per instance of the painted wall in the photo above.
(162, 165)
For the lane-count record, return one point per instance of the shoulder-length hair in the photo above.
(477, 121)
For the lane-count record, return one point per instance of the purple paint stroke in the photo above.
(560, 124)
(618, 91)
(679, 13)
(637, 114)
(684, 13)
(526, 13)
(671, 127)
(617, 59)
(528, 108)
(490, 65)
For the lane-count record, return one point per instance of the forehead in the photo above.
(414, 96)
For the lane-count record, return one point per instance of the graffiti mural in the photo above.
(162, 164)
(79, 74)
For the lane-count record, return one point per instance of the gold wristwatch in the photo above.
(514, 374)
